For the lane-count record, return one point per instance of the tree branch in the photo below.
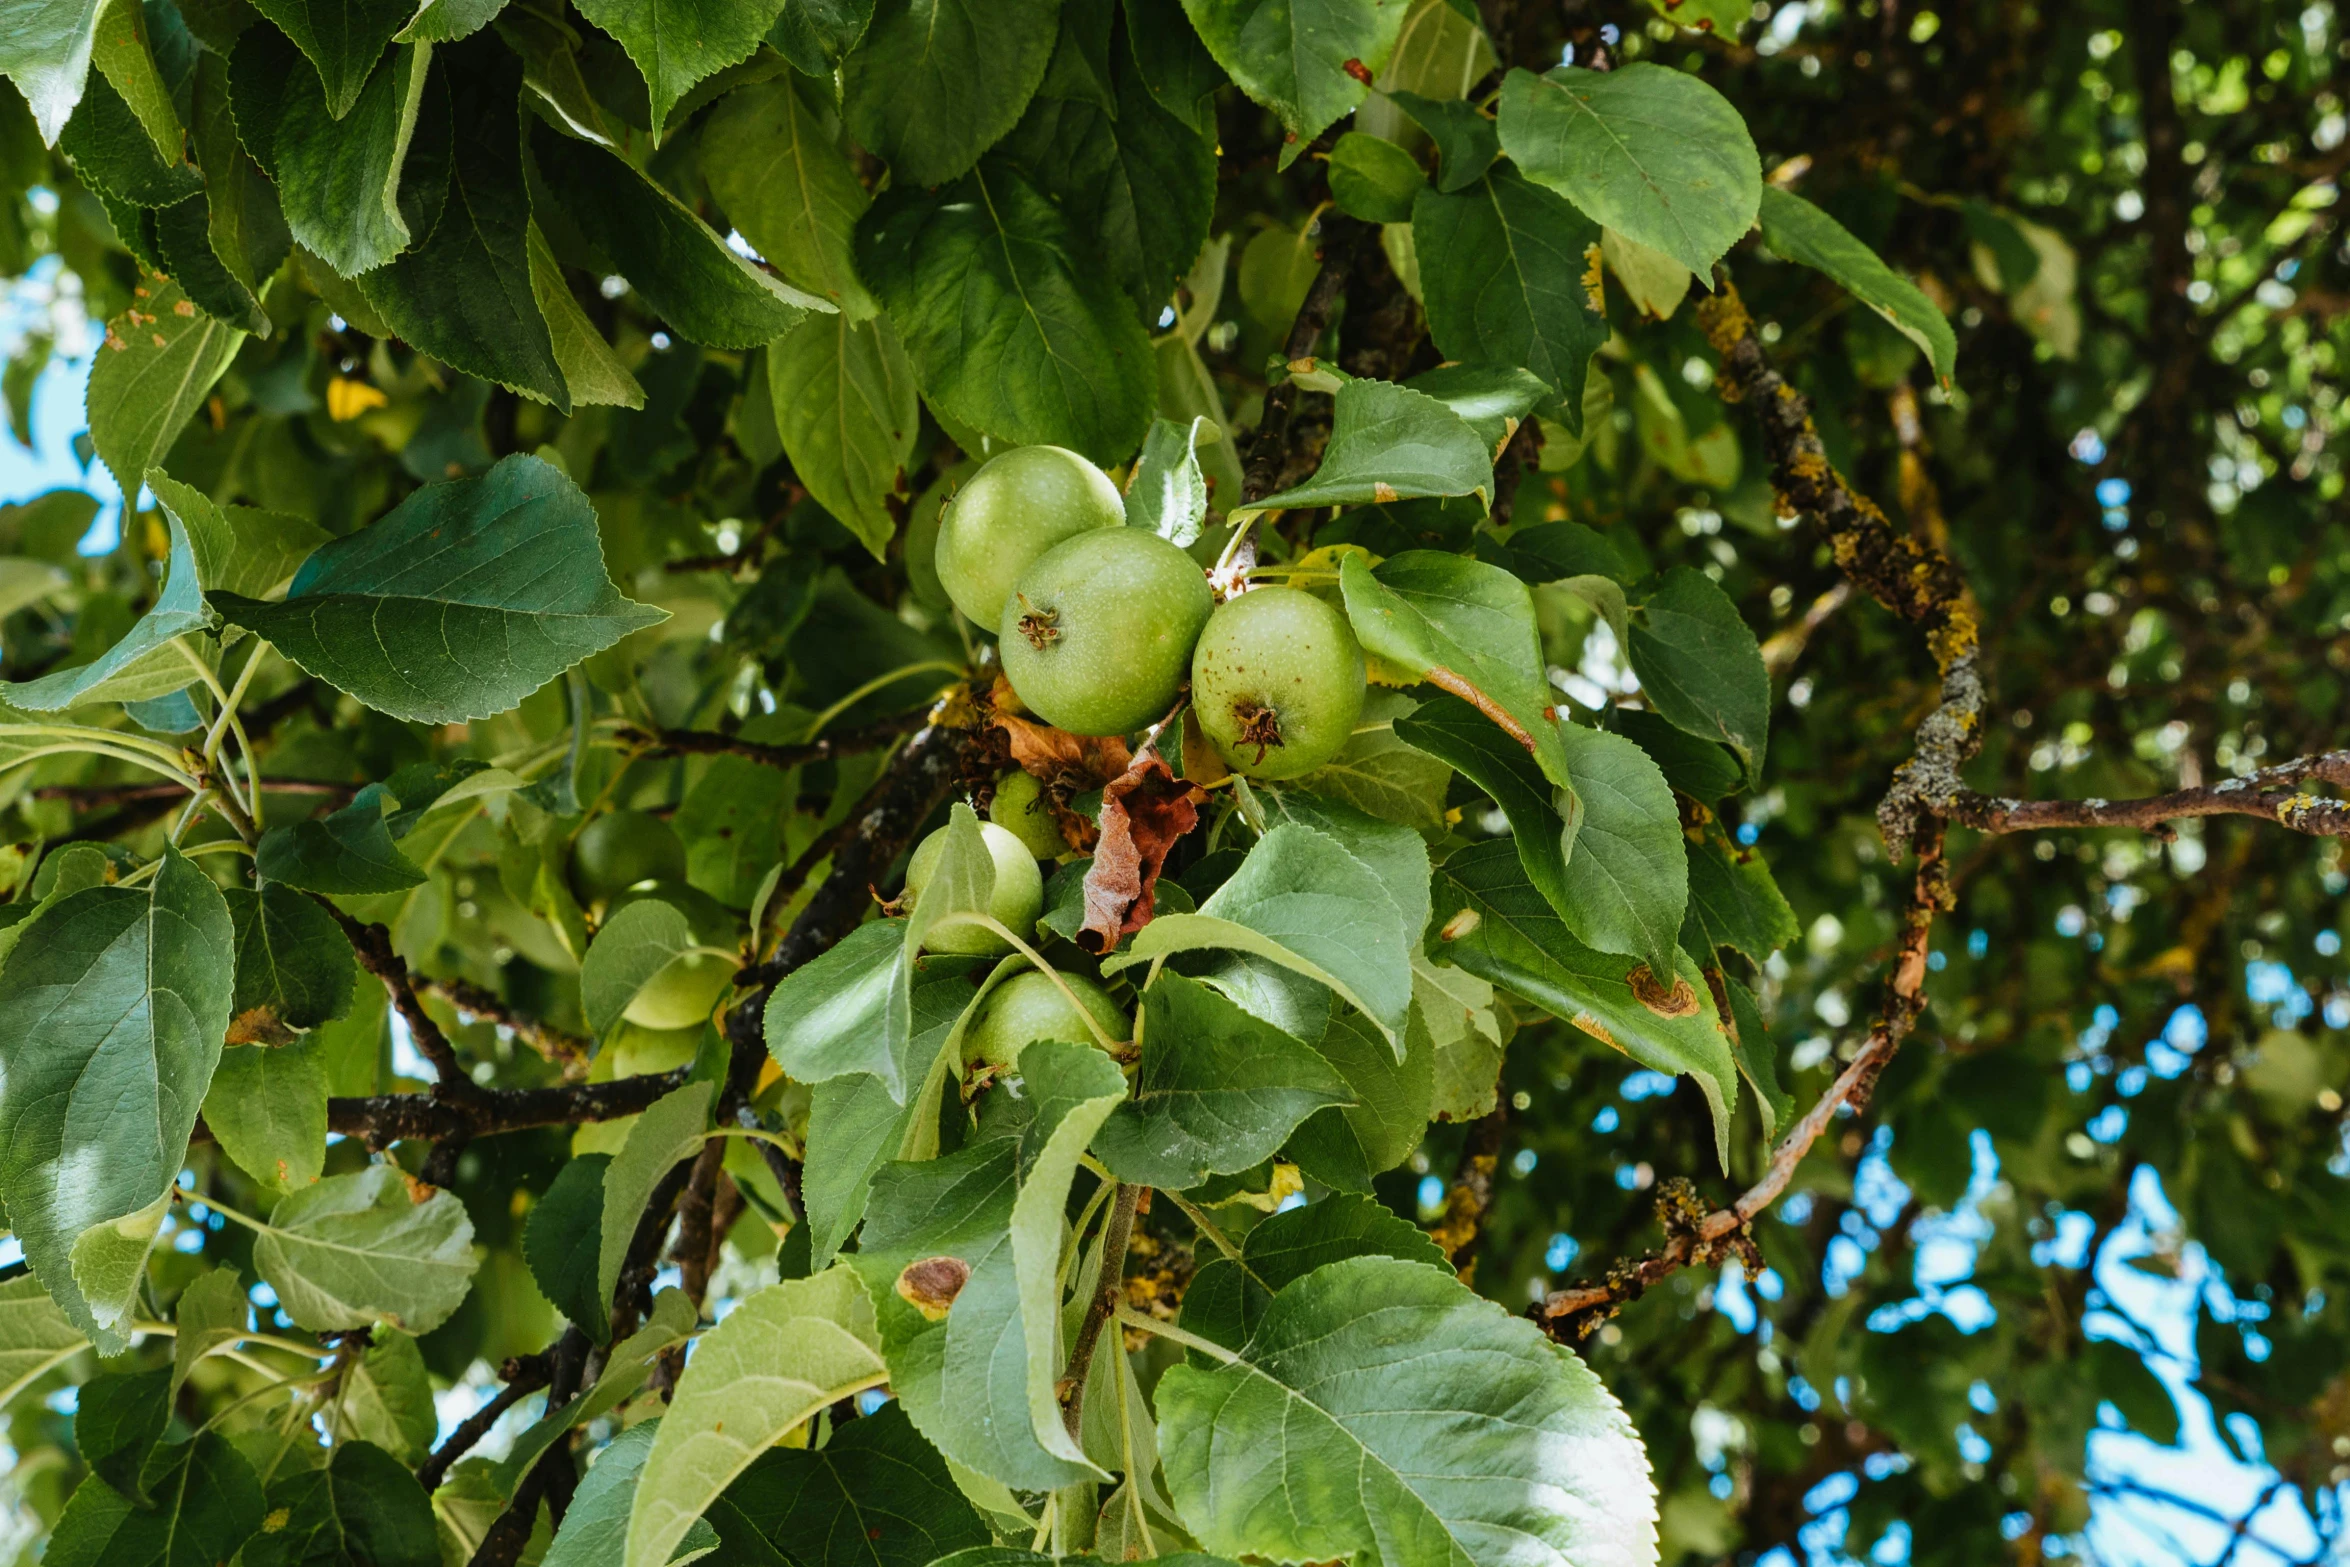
(2272, 794)
(373, 944)
(1911, 578)
(1472, 1186)
(700, 742)
(1574, 1312)
(382, 1119)
(568, 1051)
(1268, 450)
(524, 1375)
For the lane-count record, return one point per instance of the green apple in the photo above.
(1016, 902)
(1277, 681)
(1029, 1007)
(1019, 807)
(618, 850)
(1097, 636)
(1017, 506)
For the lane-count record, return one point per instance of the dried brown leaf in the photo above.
(1144, 810)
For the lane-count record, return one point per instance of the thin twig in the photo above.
(701, 742)
(1573, 1311)
(524, 1376)
(1110, 1289)
(568, 1051)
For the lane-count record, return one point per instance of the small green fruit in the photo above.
(1019, 808)
(682, 993)
(1097, 636)
(1017, 506)
(1029, 1007)
(1277, 681)
(620, 849)
(1017, 901)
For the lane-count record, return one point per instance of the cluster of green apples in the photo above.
(1099, 624)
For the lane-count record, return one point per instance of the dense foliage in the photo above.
(868, 780)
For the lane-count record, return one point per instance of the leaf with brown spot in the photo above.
(1144, 810)
(1679, 1001)
(931, 1284)
(259, 1026)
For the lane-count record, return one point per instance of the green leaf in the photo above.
(118, 1418)
(824, 1018)
(1722, 18)
(1388, 442)
(447, 21)
(964, 1382)
(343, 40)
(237, 549)
(2118, 1373)
(1013, 326)
(1509, 273)
(1654, 281)
(35, 1337)
(847, 411)
(1218, 1090)
(464, 599)
(1383, 1410)
(206, 1504)
(362, 1505)
(338, 184)
(1134, 177)
(876, 1495)
(1758, 1062)
(676, 43)
(144, 663)
(183, 231)
(1700, 666)
(1229, 1296)
(815, 34)
(385, 1398)
(1542, 817)
(1276, 271)
(1733, 902)
(934, 83)
(1169, 494)
(855, 1122)
(1802, 233)
(111, 1020)
(1647, 150)
(564, 1240)
(354, 1250)
(1306, 60)
(1381, 775)
(1397, 855)
(681, 266)
(1493, 399)
(788, 188)
(1466, 627)
(1502, 930)
(267, 1108)
(1464, 1036)
(1627, 885)
(1467, 141)
(1700, 769)
(1302, 901)
(592, 372)
(158, 364)
(1374, 180)
(631, 949)
(1074, 1088)
(348, 851)
(211, 1312)
(595, 1526)
(113, 152)
(45, 50)
(779, 1357)
(674, 1127)
(462, 292)
(1393, 1097)
(1174, 64)
(294, 964)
